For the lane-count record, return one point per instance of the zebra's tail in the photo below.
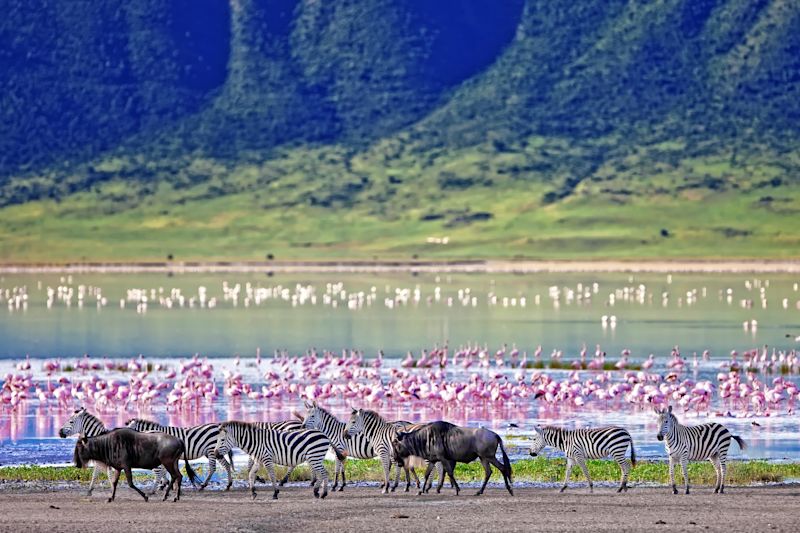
(633, 455)
(230, 459)
(506, 460)
(189, 470)
(742, 443)
(339, 453)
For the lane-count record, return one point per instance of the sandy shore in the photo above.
(365, 509)
(477, 266)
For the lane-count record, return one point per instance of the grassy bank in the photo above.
(530, 470)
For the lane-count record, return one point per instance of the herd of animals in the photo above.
(437, 446)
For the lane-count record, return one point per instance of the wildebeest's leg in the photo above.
(129, 477)
(114, 485)
(569, 472)
(427, 476)
(449, 467)
(176, 479)
(488, 471)
(503, 470)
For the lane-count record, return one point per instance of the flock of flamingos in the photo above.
(746, 384)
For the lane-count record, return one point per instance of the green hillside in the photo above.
(209, 129)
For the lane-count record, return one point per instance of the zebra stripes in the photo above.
(380, 433)
(270, 447)
(83, 422)
(285, 425)
(357, 446)
(200, 441)
(695, 443)
(591, 443)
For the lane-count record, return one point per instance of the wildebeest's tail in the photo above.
(506, 460)
(742, 443)
(189, 471)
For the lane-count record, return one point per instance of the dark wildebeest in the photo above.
(124, 449)
(447, 443)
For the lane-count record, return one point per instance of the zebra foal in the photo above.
(695, 443)
(270, 447)
(591, 443)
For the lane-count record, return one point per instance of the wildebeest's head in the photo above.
(355, 425)
(665, 421)
(401, 446)
(81, 454)
(537, 441)
(74, 424)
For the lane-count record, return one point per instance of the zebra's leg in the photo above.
(440, 474)
(723, 469)
(386, 459)
(129, 477)
(625, 466)
(285, 479)
(714, 460)
(672, 475)
(228, 468)
(114, 485)
(488, 471)
(322, 478)
(397, 476)
(271, 471)
(161, 479)
(568, 474)
(251, 477)
(212, 467)
(95, 472)
(250, 462)
(685, 469)
(585, 469)
(343, 479)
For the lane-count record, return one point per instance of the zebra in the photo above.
(200, 441)
(83, 422)
(695, 443)
(270, 447)
(380, 433)
(285, 425)
(590, 443)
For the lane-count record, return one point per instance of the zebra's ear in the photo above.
(308, 405)
(314, 403)
(656, 410)
(670, 409)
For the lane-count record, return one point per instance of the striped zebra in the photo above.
(590, 443)
(285, 425)
(200, 441)
(695, 443)
(83, 422)
(270, 447)
(379, 432)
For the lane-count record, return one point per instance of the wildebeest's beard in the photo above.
(76, 458)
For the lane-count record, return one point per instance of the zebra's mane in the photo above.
(92, 418)
(145, 421)
(326, 413)
(373, 415)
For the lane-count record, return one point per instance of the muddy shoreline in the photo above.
(469, 266)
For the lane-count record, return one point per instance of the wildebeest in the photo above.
(447, 443)
(124, 449)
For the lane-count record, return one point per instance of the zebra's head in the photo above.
(313, 418)
(74, 424)
(537, 441)
(665, 422)
(355, 425)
